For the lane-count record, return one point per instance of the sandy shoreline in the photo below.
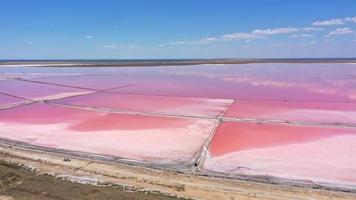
(157, 181)
(169, 183)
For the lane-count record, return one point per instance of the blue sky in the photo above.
(42, 29)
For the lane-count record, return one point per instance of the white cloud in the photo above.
(122, 46)
(306, 35)
(336, 21)
(330, 22)
(258, 33)
(110, 46)
(301, 35)
(274, 31)
(294, 32)
(239, 36)
(183, 42)
(226, 37)
(313, 42)
(89, 36)
(351, 19)
(176, 43)
(308, 29)
(342, 31)
(209, 39)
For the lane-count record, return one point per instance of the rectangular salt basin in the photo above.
(309, 153)
(94, 82)
(292, 82)
(326, 113)
(160, 140)
(244, 88)
(7, 101)
(184, 106)
(37, 91)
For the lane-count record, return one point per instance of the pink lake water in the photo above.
(315, 112)
(6, 101)
(163, 140)
(245, 88)
(310, 153)
(37, 91)
(96, 82)
(183, 106)
(164, 115)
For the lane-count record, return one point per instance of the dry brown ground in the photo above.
(17, 182)
(115, 180)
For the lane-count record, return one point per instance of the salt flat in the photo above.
(292, 122)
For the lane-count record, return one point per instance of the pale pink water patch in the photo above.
(163, 140)
(37, 91)
(309, 153)
(200, 107)
(292, 82)
(328, 113)
(244, 88)
(32, 75)
(95, 82)
(6, 101)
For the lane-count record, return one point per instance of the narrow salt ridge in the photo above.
(60, 96)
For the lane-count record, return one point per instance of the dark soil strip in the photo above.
(18, 183)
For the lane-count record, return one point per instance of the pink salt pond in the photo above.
(183, 106)
(244, 88)
(164, 115)
(8, 101)
(160, 140)
(37, 91)
(315, 112)
(94, 82)
(307, 153)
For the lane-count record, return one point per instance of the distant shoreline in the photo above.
(163, 62)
